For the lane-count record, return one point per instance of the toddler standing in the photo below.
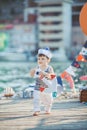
(42, 70)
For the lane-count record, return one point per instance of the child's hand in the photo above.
(41, 75)
(54, 94)
(44, 74)
(32, 72)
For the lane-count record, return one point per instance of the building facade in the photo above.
(53, 18)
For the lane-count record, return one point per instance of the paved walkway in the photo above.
(67, 114)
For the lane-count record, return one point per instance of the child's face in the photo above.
(43, 60)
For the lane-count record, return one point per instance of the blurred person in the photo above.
(42, 70)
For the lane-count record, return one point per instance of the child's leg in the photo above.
(36, 101)
(47, 100)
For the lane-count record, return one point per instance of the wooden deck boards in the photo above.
(67, 114)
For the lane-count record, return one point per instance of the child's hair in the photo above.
(40, 55)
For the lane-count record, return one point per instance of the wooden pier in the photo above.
(67, 114)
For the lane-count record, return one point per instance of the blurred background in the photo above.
(27, 25)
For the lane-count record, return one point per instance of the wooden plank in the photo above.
(17, 115)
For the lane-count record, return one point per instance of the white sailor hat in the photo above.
(45, 52)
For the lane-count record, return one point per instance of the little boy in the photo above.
(42, 70)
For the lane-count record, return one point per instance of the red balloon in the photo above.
(83, 19)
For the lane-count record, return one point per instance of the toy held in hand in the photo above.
(51, 83)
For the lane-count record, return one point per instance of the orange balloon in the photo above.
(83, 19)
